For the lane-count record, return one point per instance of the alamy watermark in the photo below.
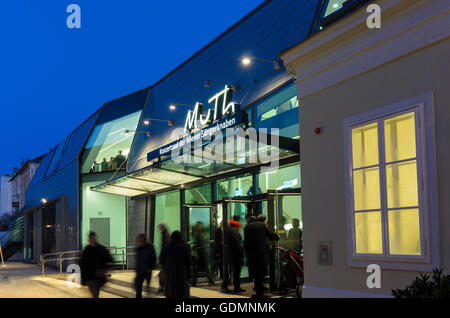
(73, 21)
(374, 19)
(374, 279)
(219, 145)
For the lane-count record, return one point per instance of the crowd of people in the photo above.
(112, 164)
(181, 262)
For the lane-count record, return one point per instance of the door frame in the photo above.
(274, 205)
(185, 226)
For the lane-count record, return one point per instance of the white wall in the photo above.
(5, 195)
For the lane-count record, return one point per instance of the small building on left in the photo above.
(13, 189)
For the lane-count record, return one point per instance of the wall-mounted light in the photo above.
(277, 64)
(44, 201)
(208, 83)
(147, 121)
(173, 106)
(246, 61)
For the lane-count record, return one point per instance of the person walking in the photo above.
(165, 239)
(200, 250)
(218, 250)
(176, 260)
(94, 262)
(295, 236)
(145, 262)
(234, 256)
(256, 234)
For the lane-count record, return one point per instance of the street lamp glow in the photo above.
(146, 122)
(246, 61)
(172, 107)
(44, 200)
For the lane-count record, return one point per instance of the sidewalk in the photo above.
(126, 278)
(21, 280)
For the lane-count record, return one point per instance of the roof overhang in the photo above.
(200, 163)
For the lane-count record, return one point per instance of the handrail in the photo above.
(59, 256)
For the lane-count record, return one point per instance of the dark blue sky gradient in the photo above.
(53, 78)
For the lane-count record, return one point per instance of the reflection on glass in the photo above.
(365, 146)
(368, 233)
(56, 158)
(279, 179)
(404, 232)
(237, 187)
(279, 110)
(366, 183)
(198, 195)
(290, 223)
(167, 210)
(400, 137)
(401, 181)
(109, 144)
(238, 212)
(200, 236)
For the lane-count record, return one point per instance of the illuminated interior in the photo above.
(401, 210)
(333, 6)
(110, 144)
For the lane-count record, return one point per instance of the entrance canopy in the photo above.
(200, 163)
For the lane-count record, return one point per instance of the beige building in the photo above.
(20, 180)
(376, 175)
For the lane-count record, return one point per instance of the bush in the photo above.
(425, 286)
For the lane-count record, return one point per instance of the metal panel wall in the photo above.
(272, 28)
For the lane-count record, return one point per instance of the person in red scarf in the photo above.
(233, 254)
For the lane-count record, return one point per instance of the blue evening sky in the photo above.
(53, 78)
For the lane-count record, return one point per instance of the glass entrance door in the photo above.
(201, 228)
(237, 210)
(285, 219)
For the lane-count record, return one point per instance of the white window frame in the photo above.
(423, 107)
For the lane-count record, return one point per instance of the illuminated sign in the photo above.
(237, 119)
(223, 105)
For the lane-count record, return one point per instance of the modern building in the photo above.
(76, 190)
(288, 148)
(60, 209)
(374, 112)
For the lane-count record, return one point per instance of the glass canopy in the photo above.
(200, 163)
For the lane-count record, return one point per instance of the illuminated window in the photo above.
(385, 192)
(333, 6)
(279, 110)
(109, 145)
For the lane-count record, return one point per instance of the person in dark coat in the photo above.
(165, 239)
(176, 260)
(145, 262)
(234, 255)
(295, 235)
(218, 250)
(94, 262)
(120, 159)
(200, 251)
(255, 242)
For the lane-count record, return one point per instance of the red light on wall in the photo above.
(318, 131)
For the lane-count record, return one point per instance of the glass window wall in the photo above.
(167, 211)
(109, 144)
(279, 110)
